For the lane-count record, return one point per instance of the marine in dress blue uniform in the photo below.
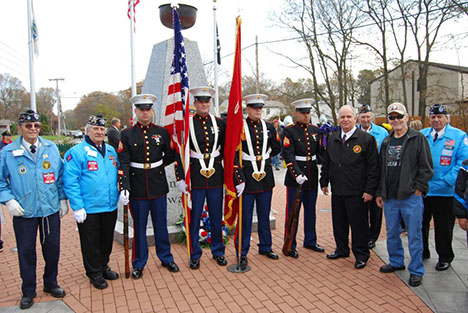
(31, 186)
(366, 117)
(449, 147)
(144, 150)
(206, 175)
(90, 182)
(301, 152)
(255, 178)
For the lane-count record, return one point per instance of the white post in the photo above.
(215, 61)
(31, 59)
(132, 54)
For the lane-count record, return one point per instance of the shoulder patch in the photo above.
(465, 162)
(120, 149)
(465, 141)
(286, 142)
(69, 157)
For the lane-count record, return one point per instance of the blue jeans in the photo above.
(411, 211)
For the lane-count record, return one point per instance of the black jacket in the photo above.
(301, 140)
(461, 192)
(113, 137)
(352, 168)
(245, 172)
(416, 165)
(146, 144)
(205, 138)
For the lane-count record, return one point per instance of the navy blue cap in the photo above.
(438, 109)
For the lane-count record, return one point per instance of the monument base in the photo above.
(173, 231)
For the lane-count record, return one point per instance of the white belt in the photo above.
(203, 156)
(248, 157)
(146, 166)
(305, 158)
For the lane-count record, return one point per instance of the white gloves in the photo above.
(14, 208)
(182, 186)
(79, 215)
(63, 208)
(301, 179)
(124, 197)
(240, 189)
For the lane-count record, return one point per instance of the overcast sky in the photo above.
(87, 42)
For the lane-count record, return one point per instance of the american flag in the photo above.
(129, 12)
(176, 118)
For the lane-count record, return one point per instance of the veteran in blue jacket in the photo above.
(31, 187)
(449, 147)
(90, 178)
(366, 123)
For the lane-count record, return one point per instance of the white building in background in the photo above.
(271, 110)
(446, 84)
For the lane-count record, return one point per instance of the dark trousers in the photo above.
(375, 219)
(308, 199)
(214, 201)
(441, 208)
(26, 236)
(96, 239)
(350, 211)
(140, 210)
(263, 204)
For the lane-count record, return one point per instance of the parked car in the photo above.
(77, 134)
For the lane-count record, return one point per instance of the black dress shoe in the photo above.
(293, 254)
(359, 265)
(243, 260)
(55, 292)
(442, 266)
(371, 244)
(99, 282)
(27, 302)
(220, 259)
(171, 267)
(316, 248)
(334, 256)
(270, 254)
(195, 264)
(110, 274)
(387, 268)
(414, 280)
(137, 273)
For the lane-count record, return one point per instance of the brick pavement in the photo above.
(310, 283)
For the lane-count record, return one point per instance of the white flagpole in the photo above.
(31, 59)
(132, 53)
(215, 61)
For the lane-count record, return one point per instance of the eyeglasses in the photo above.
(35, 125)
(395, 117)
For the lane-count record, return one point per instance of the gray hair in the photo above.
(347, 106)
(114, 120)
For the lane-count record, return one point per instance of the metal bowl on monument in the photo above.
(187, 14)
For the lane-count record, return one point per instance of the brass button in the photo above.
(147, 153)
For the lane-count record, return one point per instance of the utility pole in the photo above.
(60, 115)
(257, 86)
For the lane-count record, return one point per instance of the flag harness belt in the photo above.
(205, 171)
(258, 175)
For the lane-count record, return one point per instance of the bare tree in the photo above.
(326, 30)
(11, 94)
(425, 19)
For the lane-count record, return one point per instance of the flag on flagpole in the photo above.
(176, 119)
(34, 32)
(218, 46)
(234, 126)
(129, 13)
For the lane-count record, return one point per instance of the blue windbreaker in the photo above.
(36, 184)
(91, 179)
(378, 132)
(448, 153)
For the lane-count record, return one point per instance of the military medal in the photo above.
(46, 165)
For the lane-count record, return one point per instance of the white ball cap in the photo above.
(256, 100)
(202, 93)
(143, 101)
(396, 107)
(303, 104)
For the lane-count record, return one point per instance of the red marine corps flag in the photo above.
(234, 126)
